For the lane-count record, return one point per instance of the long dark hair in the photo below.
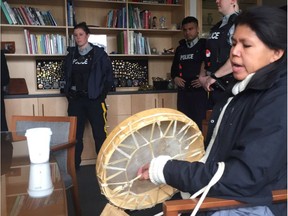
(269, 24)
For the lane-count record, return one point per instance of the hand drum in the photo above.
(135, 142)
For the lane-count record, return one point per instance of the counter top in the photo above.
(110, 93)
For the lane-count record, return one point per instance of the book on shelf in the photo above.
(124, 17)
(29, 15)
(114, 18)
(19, 17)
(145, 17)
(39, 15)
(139, 19)
(47, 44)
(44, 43)
(46, 18)
(28, 41)
(6, 13)
(24, 15)
(71, 41)
(109, 18)
(34, 15)
(119, 18)
(33, 44)
(136, 18)
(120, 43)
(70, 13)
(39, 44)
(147, 46)
(131, 42)
(138, 44)
(130, 15)
(70, 10)
(11, 12)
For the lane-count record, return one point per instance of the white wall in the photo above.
(193, 7)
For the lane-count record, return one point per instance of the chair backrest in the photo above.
(63, 127)
(63, 137)
(63, 141)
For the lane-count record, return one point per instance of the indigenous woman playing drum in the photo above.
(247, 136)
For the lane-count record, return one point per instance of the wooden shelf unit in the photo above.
(94, 13)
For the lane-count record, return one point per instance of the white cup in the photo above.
(38, 140)
(40, 183)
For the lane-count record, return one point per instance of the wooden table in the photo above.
(15, 171)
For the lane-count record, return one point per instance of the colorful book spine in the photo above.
(34, 15)
(24, 15)
(20, 20)
(39, 15)
(11, 12)
(51, 18)
(146, 19)
(4, 9)
(28, 41)
(29, 16)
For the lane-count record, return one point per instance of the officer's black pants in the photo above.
(93, 110)
(193, 103)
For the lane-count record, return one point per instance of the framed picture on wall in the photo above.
(8, 46)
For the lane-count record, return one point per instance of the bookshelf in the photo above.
(94, 13)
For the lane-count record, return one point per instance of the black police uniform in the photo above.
(88, 79)
(187, 65)
(217, 53)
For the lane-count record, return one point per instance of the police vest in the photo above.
(190, 59)
(218, 46)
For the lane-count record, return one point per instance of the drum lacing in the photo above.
(122, 187)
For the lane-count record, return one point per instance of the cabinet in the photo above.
(118, 109)
(50, 106)
(141, 102)
(94, 13)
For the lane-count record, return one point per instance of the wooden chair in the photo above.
(62, 143)
(174, 207)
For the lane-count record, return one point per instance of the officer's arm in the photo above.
(224, 70)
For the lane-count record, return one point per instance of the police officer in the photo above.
(217, 64)
(187, 63)
(89, 77)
